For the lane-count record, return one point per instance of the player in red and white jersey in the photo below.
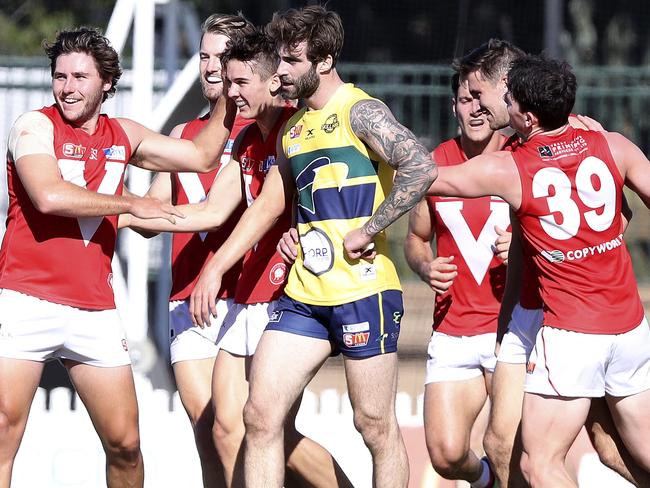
(591, 345)
(65, 170)
(468, 280)
(250, 61)
(193, 349)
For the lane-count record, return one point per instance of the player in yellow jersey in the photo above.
(337, 156)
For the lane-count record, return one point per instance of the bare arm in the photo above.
(222, 200)
(31, 147)
(513, 280)
(265, 211)
(374, 124)
(157, 152)
(632, 164)
(437, 272)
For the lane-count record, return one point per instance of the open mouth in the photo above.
(213, 79)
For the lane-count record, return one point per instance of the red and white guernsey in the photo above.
(464, 228)
(62, 259)
(190, 251)
(264, 273)
(571, 222)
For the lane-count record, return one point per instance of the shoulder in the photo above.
(32, 133)
(177, 131)
(33, 121)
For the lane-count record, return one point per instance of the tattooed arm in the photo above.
(375, 125)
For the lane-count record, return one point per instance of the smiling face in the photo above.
(212, 47)
(472, 121)
(489, 97)
(251, 94)
(297, 74)
(78, 88)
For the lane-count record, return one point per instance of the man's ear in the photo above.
(274, 83)
(325, 65)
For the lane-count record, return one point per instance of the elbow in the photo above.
(47, 202)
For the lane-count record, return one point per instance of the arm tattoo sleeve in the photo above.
(374, 124)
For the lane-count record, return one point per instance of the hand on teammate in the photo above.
(358, 244)
(203, 300)
(439, 274)
(591, 124)
(501, 245)
(152, 208)
(288, 245)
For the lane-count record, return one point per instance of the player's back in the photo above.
(572, 227)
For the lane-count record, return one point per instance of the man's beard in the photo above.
(304, 86)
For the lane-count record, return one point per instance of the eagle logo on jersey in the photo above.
(331, 123)
(320, 173)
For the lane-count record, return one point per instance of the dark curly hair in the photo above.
(257, 48)
(90, 41)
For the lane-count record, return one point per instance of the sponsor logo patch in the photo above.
(331, 123)
(116, 153)
(292, 149)
(555, 256)
(310, 134)
(275, 317)
(368, 272)
(278, 273)
(295, 131)
(73, 150)
(359, 327)
(125, 345)
(357, 339)
(545, 151)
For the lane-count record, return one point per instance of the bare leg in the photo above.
(450, 409)
(632, 421)
(295, 359)
(229, 394)
(116, 421)
(503, 437)
(193, 379)
(549, 427)
(372, 384)
(18, 383)
(308, 459)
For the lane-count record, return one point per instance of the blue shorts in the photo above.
(363, 328)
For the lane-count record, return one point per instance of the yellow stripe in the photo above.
(381, 323)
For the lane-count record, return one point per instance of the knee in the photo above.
(447, 458)
(124, 449)
(375, 430)
(260, 422)
(227, 431)
(497, 445)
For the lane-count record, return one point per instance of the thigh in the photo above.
(114, 419)
(193, 380)
(549, 425)
(632, 421)
(507, 394)
(282, 366)
(229, 387)
(450, 409)
(19, 380)
(372, 384)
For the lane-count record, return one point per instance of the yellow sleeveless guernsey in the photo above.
(340, 183)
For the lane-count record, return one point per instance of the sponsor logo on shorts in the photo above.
(397, 317)
(109, 279)
(357, 339)
(125, 345)
(331, 123)
(115, 153)
(359, 327)
(295, 131)
(73, 150)
(530, 367)
(278, 273)
(275, 316)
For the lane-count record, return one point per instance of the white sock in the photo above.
(484, 479)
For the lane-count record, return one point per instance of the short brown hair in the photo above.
(256, 48)
(90, 41)
(492, 59)
(322, 29)
(228, 25)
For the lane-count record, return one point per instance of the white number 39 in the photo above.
(602, 200)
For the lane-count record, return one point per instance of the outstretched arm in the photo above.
(632, 164)
(374, 124)
(157, 152)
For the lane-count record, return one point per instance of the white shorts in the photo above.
(519, 340)
(453, 358)
(243, 327)
(188, 342)
(38, 330)
(573, 364)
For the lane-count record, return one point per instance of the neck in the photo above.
(268, 117)
(329, 83)
(474, 148)
(537, 130)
